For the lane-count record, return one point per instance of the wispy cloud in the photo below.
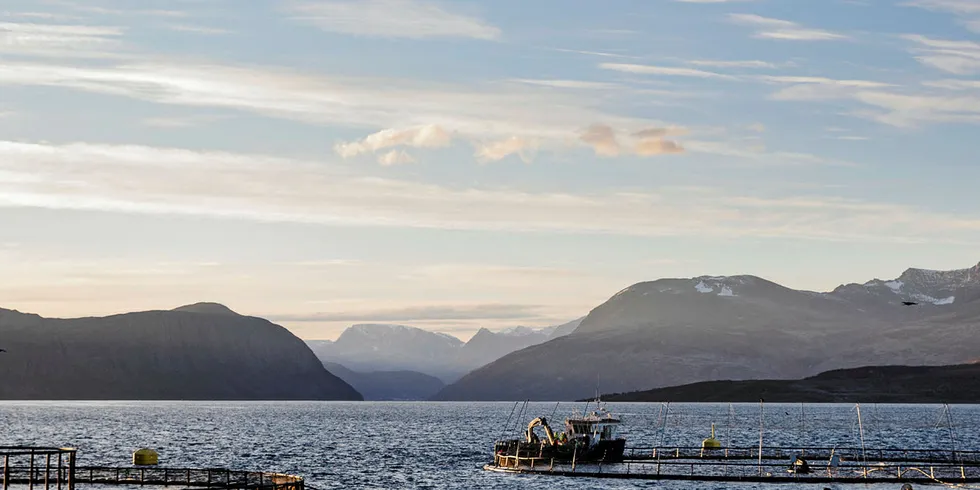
(419, 313)
(198, 29)
(58, 40)
(770, 28)
(487, 112)
(672, 71)
(173, 181)
(414, 19)
(956, 57)
(569, 84)
(733, 63)
(968, 11)
(886, 103)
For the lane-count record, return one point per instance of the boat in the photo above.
(588, 438)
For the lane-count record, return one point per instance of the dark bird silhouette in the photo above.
(909, 303)
(3, 350)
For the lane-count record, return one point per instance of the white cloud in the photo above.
(395, 157)
(602, 139)
(769, 28)
(498, 150)
(663, 70)
(428, 136)
(412, 19)
(955, 6)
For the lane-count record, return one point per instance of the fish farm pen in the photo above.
(56, 469)
(780, 456)
(773, 465)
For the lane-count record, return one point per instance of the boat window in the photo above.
(607, 432)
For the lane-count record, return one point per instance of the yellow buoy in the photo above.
(711, 442)
(145, 456)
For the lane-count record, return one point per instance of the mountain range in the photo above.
(196, 352)
(369, 348)
(677, 331)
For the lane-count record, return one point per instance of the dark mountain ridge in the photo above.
(678, 331)
(871, 384)
(160, 355)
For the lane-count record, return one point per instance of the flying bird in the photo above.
(909, 303)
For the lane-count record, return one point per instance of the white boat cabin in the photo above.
(599, 425)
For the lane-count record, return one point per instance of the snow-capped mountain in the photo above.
(677, 331)
(924, 286)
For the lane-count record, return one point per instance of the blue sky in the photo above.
(458, 164)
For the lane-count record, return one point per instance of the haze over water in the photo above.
(437, 445)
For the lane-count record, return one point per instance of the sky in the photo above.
(457, 164)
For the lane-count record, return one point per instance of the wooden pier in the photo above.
(56, 469)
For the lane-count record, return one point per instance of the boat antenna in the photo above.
(802, 424)
(864, 457)
(507, 424)
(728, 431)
(949, 424)
(553, 412)
(762, 424)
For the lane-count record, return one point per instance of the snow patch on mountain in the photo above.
(895, 285)
(703, 288)
(726, 291)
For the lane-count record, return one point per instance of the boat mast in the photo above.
(762, 423)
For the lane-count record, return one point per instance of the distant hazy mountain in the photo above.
(389, 385)
(197, 352)
(677, 331)
(382, 347)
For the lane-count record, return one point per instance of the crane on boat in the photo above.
(543, 422)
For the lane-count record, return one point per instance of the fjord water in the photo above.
(442, 445)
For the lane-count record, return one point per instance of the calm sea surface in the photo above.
(443, 445)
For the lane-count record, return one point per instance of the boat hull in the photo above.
(607, 451)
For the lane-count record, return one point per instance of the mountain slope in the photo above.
(160, 355)
(389, 385)
(874, 384)
(676, 331)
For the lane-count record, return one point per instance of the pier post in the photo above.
(30, 476)
(71, 470)
(6, 471)
(47, 470)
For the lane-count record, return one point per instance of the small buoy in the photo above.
(145, 456)
(711, 442)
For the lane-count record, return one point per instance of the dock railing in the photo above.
(56, 469)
